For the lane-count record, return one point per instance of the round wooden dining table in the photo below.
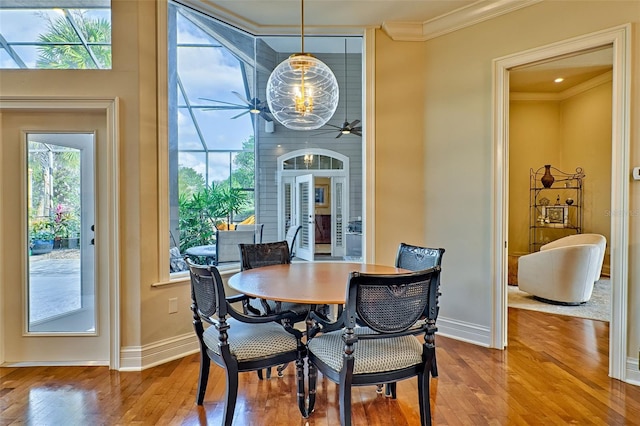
(304, 282)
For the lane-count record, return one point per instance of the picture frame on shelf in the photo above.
(557, 214)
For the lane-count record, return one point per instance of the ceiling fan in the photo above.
(253, 106)
(346, 128)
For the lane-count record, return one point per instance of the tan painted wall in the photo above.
(534, 140)
(575, 132)
(401, 189)
(457, 120)
(586, 128)
(144, 310)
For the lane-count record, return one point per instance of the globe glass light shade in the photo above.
(302, 92)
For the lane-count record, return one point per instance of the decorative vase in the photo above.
(547, 179)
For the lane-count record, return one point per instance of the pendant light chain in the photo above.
(302, 26)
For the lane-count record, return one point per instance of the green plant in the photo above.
(66, 224)
(201, 212)
(41, 229)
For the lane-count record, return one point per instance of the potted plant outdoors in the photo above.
(41, 236)
(66, 228)
(201, 213)
(197, 218)
(231, 201)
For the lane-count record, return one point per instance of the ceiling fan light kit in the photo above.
(302, 92)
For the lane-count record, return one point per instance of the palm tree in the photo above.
(58, 53)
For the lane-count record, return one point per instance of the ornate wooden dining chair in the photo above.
(393, 310)
(234, 341)
(267, 254)
(415, 258)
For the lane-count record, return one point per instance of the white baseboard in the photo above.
(138, 358)
(464, 331)
(633, 371)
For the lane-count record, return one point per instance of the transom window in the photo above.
(32, 36)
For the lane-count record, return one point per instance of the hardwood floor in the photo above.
(554, 372)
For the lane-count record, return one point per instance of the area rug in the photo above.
(597, 308)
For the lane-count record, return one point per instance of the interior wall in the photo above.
(456, 145)
(586, 135)
(570, 133)
(400, 186)
(534, 140)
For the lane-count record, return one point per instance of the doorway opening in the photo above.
(313, 192)
(618, 38)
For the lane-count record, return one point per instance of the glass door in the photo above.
(61, 293)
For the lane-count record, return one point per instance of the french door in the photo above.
(304, 202)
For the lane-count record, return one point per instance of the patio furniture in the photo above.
(226, 247)
(292, 235)
(255, 227)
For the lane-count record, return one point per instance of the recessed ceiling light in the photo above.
(559, 80)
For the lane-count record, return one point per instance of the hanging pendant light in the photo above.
(302, 92)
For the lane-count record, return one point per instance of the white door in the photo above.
(339, 209)
(304, 199)
(59, 311)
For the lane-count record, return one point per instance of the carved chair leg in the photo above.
(231, 395)
(280, 369)
(423, 398)
(205, 363)
(302, 403)
(390, 390)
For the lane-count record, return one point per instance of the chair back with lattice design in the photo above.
(416, 258)
(207, 292)
(390, 303)
(264, 254)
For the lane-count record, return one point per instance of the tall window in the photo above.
(223, 141)
(212, 140)
(55, 38)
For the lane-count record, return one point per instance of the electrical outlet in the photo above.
(173, 305)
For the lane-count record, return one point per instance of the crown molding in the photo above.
(566, 94)
(257, 29)
(464, 17)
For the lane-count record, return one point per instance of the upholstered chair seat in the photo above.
(252, 341)
(371, 356)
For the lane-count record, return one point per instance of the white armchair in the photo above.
(564, 270)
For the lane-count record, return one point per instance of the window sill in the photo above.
(183, 277)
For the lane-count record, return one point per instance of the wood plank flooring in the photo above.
(554, 372)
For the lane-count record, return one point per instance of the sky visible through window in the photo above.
(208, 71)
(35, 38)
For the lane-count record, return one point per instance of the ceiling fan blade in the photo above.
(223, 102)
(242, 98)
(240, 115)
(323, 133)
(339, 135)
(354, 123)
(335, 127)
(218, 108)
(356, 132)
